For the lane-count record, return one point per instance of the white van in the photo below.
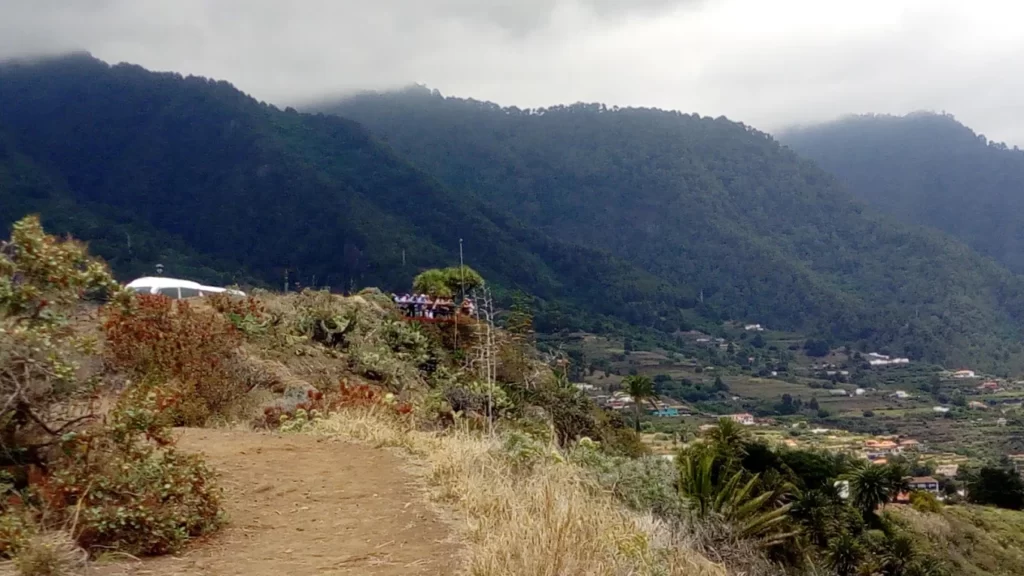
(176, 288)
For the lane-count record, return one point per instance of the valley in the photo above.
(836, 401)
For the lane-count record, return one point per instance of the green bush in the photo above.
(925, 502)
(129, 488)
(644, 484)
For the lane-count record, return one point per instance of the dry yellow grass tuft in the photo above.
(544, 519)
(47, 554)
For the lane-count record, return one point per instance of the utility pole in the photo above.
(462, 290)
(462, 270)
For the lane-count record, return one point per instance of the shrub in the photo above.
(119, 482)
(318, 405)
(156, 337)
(323, 318)
(248, 314)
(644, 484)
(42, 385)
(15, 530)
(925, 502)
(127, 486)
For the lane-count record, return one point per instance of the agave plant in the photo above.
(734, 498)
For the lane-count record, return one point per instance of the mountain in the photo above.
(716, 207)
(651, 218)
(150, 167)
(931, 170)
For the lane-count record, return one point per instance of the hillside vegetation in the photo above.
(147, 165)
(927, 169)
(746, 227)
(92, 466)
(538, 478)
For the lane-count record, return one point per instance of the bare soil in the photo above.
(301, 505)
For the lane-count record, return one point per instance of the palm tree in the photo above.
(733, 499)
(844, 554)
(640, 389)
(870, 487)
(898, 554)
(729, 438)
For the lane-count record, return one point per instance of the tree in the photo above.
(994, 486)
(42, 280)
(447, 282)
(869, 487)
(813, 404)
(519, 322)
(641, 390)
(844, 554)
(720, 386)
(729, 438)
(757, 341)
(433, 282)
(817, 348)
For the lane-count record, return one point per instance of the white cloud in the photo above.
(767, 63)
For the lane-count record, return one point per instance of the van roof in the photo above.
(161, 282)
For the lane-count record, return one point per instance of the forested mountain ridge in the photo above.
(927, 169)
(197, 163)
(717, 207)
(642, 216)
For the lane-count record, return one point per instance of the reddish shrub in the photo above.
(155, 337)
(347, 396)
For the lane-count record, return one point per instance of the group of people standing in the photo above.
(424, 306)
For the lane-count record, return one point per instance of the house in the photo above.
(664, 412)
(859, 392)
(585, 387)
(837, 392)
(947, 470)
(975, 405)
(964, 374)
(877, 356)
(754, 328)
(1018, 463)
(900, 394)
(881, 448)
(889, 361)
(990, 386)
(909, 444)
(940, 409)
(744, 419)
(924, 483)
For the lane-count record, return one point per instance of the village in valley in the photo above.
(786, 391)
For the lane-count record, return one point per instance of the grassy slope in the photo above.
(977, 540)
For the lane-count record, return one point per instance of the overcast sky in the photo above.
(768, 63)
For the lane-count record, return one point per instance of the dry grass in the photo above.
(544, 519)
(47, 554)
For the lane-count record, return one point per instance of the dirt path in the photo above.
(301, 505)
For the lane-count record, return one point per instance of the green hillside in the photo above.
(196, 163)
(928, 169)
(718, 208)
